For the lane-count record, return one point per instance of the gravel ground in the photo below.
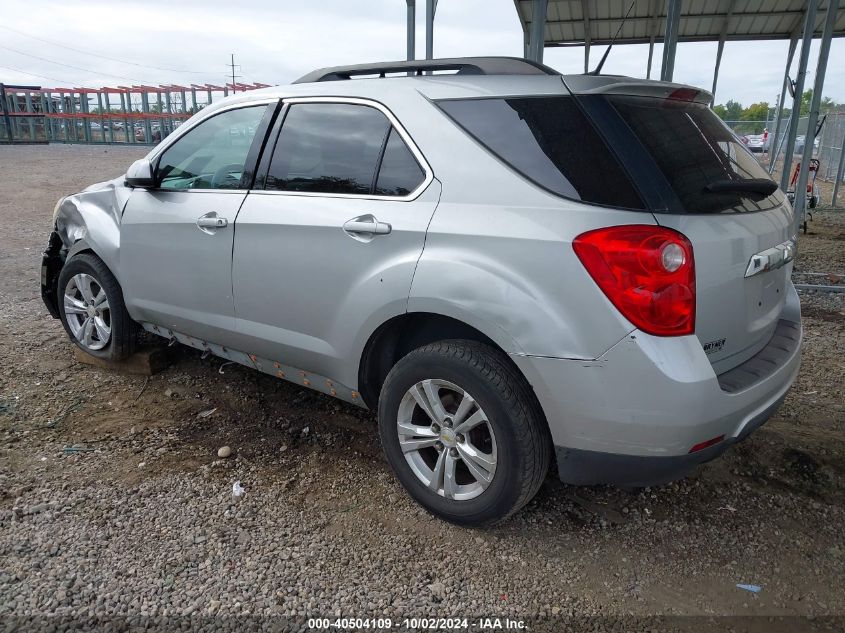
(114, 505)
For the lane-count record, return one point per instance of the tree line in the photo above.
(752, 119)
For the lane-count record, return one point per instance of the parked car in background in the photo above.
(800, 142)
(141, 134)
(756, 143)
(466, 255)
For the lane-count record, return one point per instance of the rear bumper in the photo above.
(582, 467)
(632, 416)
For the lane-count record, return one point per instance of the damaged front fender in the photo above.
(89, 220)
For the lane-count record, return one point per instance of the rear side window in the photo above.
(341, 148)
(551, 142)
(328, 148)
(698, 155)
(400, 173)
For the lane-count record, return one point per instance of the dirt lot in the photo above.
(113, 503)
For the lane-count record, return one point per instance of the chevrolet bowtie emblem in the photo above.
(771, 258)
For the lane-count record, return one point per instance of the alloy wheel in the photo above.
(87, 311)
(446, 439)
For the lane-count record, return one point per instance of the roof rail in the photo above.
(463, 66)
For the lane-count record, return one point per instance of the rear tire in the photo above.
(463, 432)
(92, 310)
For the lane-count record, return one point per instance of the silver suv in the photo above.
(511, 265)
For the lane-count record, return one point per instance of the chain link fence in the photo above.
(827, 148)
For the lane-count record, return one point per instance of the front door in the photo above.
(327, 249)
(176, 238)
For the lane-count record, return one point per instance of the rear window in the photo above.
(693, 149)
(549, 141)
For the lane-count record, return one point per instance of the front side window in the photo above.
(213, 154)
(341, 148)
(549, 141)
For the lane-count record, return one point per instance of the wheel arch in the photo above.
(403, 333)
(90, 221)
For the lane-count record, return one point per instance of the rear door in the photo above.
(327, 243)
(176, 238)
(715, 192)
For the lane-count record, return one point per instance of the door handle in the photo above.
(366, 224)
(210, 222)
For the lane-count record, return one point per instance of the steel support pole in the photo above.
(169, 105)
(670, 41)
(652, 11)
(818, 87)
(31, 110)
(145, 110)
(64, 121)
(840, 172)
(45, 108)
(161, 113)
(650, 57)
(102, 120)
(538, 30)
(716, 68)
(585, 11)
(792, 132)
(429, 29)
(723, 34)
(411, 30)
(7, 120)
(776, 144)
(124, 105)
(84, 109)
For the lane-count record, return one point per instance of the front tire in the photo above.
(463, 432)
(92, 310)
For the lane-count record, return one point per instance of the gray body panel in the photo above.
(741, 311)
(309, 293)
(90, 220)
(299, 297)
(174, 274)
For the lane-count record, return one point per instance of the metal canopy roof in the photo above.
(576, 22)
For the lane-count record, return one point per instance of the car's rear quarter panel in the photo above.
(498, 252)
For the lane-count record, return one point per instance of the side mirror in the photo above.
(140, 174)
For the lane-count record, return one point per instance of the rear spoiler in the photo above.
(587, 85)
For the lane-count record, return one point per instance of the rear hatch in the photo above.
(698, 178)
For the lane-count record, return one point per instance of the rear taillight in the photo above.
(647, 272)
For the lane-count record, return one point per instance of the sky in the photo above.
(97, 43)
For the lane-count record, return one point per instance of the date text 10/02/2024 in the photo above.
(418, 624)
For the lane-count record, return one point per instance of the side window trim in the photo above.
(263, 169)
(173, 139)
(259, 144)
(380, 159)
(394, 124)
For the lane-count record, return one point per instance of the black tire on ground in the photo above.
(123, 329)
(522, 436)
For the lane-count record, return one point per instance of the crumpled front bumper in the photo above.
(52, 261)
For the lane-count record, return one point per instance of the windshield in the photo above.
(704, 163)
